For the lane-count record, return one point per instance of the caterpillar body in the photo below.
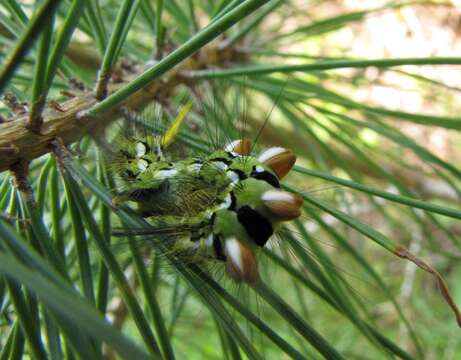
(221, 207)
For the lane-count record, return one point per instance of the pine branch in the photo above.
(18, 143)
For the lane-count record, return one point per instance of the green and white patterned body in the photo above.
(217, 201)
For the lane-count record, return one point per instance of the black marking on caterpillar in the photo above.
(256, 225)
(217, 246)
(266, 176)
(240, 173)
(221, 159)
(233, 205)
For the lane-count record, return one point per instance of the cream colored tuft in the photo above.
(232, 145)
(233, 251)
(209, 240)
(270, 153)
(142, 165)
(277, 195)
(233, 176)
(140, 149)
(227, 202)
(163, 174)
(220, 165)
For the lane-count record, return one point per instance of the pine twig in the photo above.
(18, 143)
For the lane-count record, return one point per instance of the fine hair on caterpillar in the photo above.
(222, 207)
(310, 254)
(177, 220)
(237, 202)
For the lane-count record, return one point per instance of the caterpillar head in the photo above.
(257, 208)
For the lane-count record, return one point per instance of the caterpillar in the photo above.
(221, 207)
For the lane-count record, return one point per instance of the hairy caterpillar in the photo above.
(221, 207)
